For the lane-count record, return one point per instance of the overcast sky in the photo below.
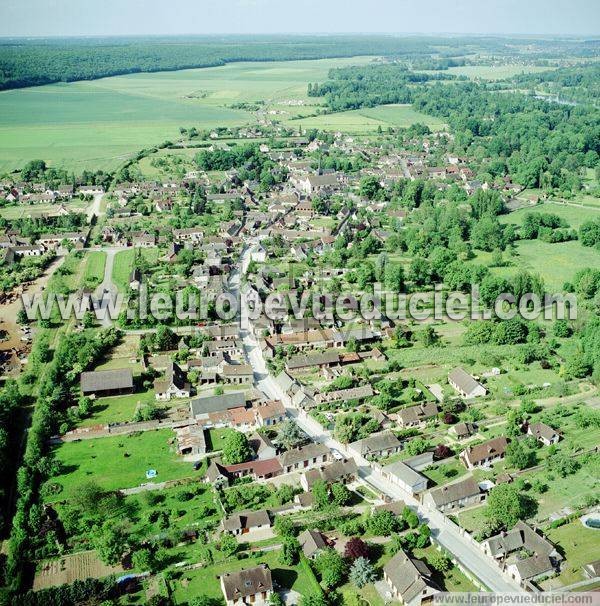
(122, 17)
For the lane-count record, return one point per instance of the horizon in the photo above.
(85, 18)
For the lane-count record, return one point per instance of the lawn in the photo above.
(447, 472)
(94, 268)
(573, 216)
(123, 265)
(116, 409)
(203, 581)
(118, 461)
(579, 545)
(451, 580)
(98, 124)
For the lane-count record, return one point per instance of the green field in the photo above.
(202, 581)
(572, 215)
(556, 263)
(118, 462)
(495, 72)
(94, 268)
(98, 124)
(123, 265)
(366, 120)
(116, 409)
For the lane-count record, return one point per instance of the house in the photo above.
(223, 332)
(311, 542)
(190, 440)
(409, 579)
(382, 444)
(454, 496)
(270, 413)
(248, 586)
(259, 254)
(461, 431)
(346, 395)
(135, 279)
(248, 521)
(261, 445)
(237, 373)
(523, 553)
(191, 234)
(173, 385)
(106, 382)
(406, 477)
(201, 407)
(543, 433)
(304, 457)
(343, 471)
(264, 469)
(416, 416)
(465, 384)
(486, 454)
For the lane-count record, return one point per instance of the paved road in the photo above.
(94, 207)
(466, 551)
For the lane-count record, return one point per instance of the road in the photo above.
(94, 207)
(445, 532)
(107, 288)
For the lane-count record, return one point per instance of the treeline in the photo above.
(32, 534)
(355, 87)
(36, 62)
(30, 63)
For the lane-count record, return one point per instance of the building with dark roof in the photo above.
(106, 382)
(248, 586)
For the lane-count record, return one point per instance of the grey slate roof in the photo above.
(408, 576)
(248, 582)
(304, 453)
(444, 495)
(205, 405)
(311, 541)
(106, 380)
(376, 442)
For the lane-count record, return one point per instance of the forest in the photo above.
(44, 61)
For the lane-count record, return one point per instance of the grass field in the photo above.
(572, 215)
(367, 120)
(124, 264)
(580, 545)
(94, 268)
(495, 72)
(556, 263)
(98, 124)
(201, 581)
(119, 461)
(37, 210)
(116, 409)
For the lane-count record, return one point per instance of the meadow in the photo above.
(118, 462)
(98, 124)
(123, 265)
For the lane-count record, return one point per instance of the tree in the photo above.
(320, 493)
(410, 517)
(236, 448)
(383, 523)
(506, 505)
(369, 187)
(356, 548)
(290, 435)
(164, 338)
(518, 456)
(144, 560)
(284, 526)
(440, 561)
(290, 551)
(110, 542)
(562, 464)
(276, 600)
(313, 599)
(340, 493)
(362, 572)
(331, 567)
(429, 337)
(228, 544)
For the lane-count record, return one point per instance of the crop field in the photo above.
(366, 120)
(69, 568)
(119, 461)
(82, 125)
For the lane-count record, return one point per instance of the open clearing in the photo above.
(82, 124)
(365, 120)
(119, 462)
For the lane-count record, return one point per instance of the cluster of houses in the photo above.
(13, 246)
(42, 193)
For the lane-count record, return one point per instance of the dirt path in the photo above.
(8, 311)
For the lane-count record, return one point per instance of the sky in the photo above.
(170, 17)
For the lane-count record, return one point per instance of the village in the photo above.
(379, 456)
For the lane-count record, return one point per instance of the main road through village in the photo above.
(446, 533)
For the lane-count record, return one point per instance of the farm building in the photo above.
(106, 382)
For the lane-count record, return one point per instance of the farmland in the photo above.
(99, 124)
